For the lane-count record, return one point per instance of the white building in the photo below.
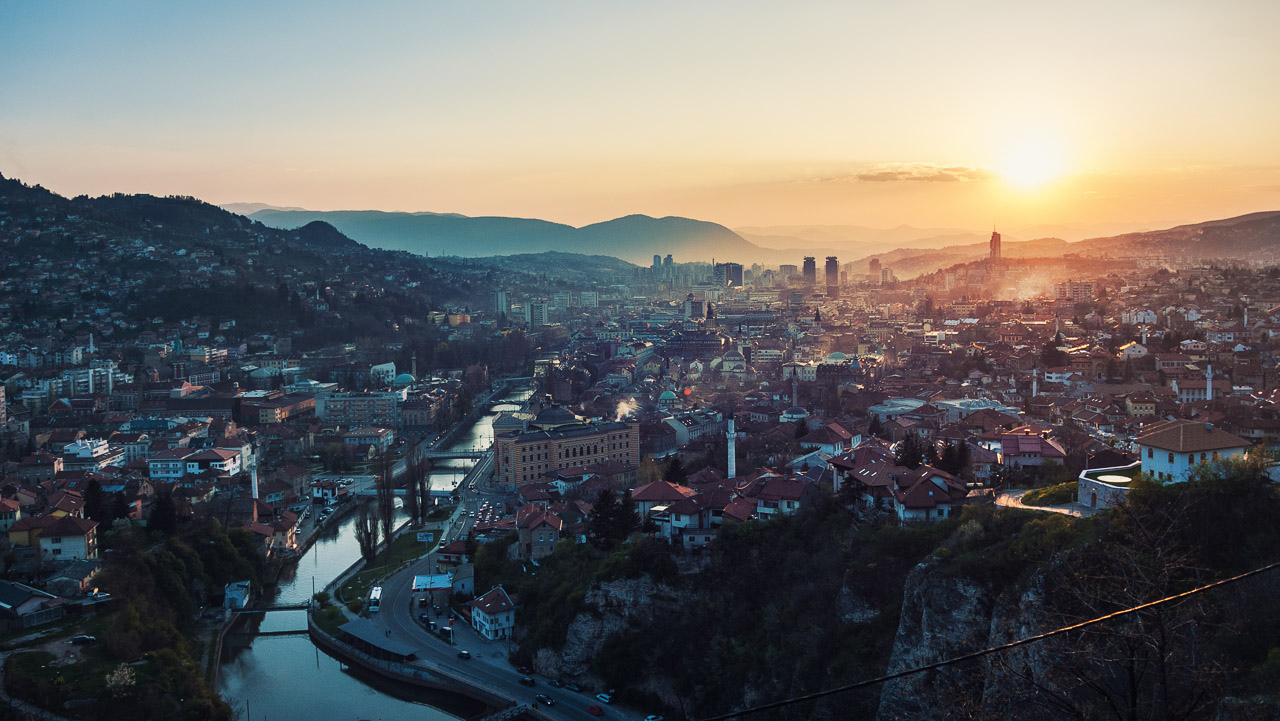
(493, 615)
(1170, 450)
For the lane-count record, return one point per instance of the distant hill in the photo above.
(1255, 236)
(634, 238)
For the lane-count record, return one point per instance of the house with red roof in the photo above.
(493, 615)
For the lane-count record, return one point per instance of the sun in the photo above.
(1033, 159)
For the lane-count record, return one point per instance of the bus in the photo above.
(375, 599)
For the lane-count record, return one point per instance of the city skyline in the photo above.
(1101, 117)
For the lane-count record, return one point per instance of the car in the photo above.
(82, 640)
(464, 655)
(544, 699)
(556, 682)
(604, 697)
(653, 717)
(595, 710)
(524, 670)
(573, 687)
(527, 681)
(423, 603)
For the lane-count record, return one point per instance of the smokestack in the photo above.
(733, 455)
(1208, 382)
(111, 380)
(253, 481)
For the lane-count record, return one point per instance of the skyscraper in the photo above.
(728, 275)
(500, 304)
(810, 271)
(833, 276)
(995, 246)
(875, 270)
(657, 261)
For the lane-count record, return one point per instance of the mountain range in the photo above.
(908, 250)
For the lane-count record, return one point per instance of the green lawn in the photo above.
(404, 549)
(1052, 495)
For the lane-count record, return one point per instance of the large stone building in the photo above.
(556, 439)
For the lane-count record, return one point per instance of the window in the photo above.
(1171, 459)
(1151, 453)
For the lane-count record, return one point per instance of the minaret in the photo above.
(795, 388)
(91, 348)
(413, 365)
(733, 455)
(90, 379)
(1144, 334)
(1208, 383)
(1035, 383)
(253, 482)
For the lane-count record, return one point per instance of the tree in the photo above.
(909, 453)
(612, 519)
(164, 515)
(367, 531)
(647, 472)
(386, 509)
(96, 505)
(875, 429)
(931, 454)
(676, 472)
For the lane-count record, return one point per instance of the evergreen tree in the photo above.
(909, 453)
(95, 503)
(931, 454)
(601, 524)
(164, 515)
(875, 429)
(675, 472)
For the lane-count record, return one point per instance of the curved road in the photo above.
(488, 665)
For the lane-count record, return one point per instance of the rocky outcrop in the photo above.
(942, 616)
(611, 607)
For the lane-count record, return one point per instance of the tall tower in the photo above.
(995, 247)
(875, 271)
(810, 271)
(1208, 382)
(733, 450)
(833, 276)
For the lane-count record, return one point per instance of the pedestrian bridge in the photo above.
(442, 455)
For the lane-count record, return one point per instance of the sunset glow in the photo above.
(1033, 160)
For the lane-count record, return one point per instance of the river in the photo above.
(286, 677)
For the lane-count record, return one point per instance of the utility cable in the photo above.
(992, 650)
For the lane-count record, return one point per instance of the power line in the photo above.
(992, 650)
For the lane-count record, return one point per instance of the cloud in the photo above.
(915, 172)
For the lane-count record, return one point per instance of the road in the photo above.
(488, 664)
(1013, 499)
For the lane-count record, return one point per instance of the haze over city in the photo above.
(1077, 119)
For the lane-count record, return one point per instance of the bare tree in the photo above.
(411, 504)
(386, 506)
(367, 531)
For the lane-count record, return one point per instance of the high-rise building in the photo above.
(788, 272)
(1074, 291)
(560, 300)
(536, 313)
(995, 246)
(728, 275)
(657, 260)
(887, 277)
(875, 270)
(833, 276)
(500, 304)
(810, 270)
(667, 262)
(590, 299)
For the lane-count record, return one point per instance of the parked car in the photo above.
(527, 680)
(524, 670)
(573, 687)
(544, 699)
(82, 640)
(604, 697)
(595, 710)
(556, 682)
(464, 655)
(653, 717)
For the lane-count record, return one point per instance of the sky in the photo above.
(1081, 115)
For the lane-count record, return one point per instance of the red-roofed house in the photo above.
(493, 615)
